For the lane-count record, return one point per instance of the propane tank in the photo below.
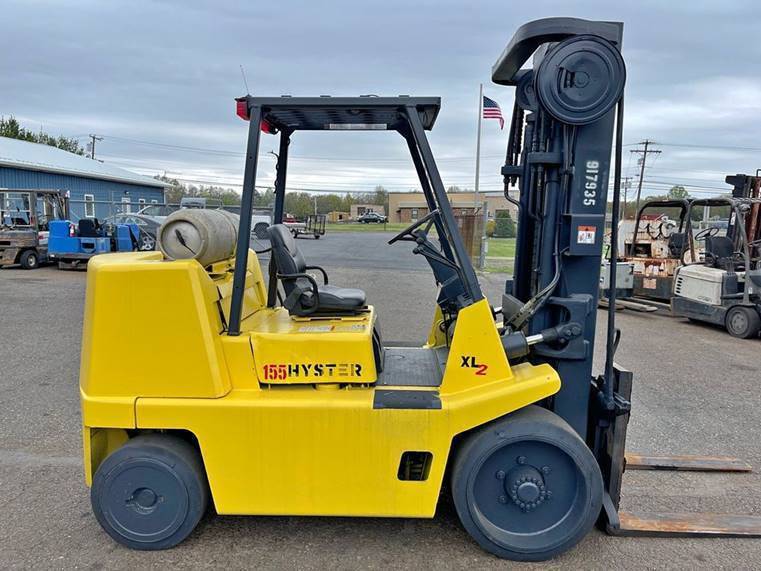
(204, 235)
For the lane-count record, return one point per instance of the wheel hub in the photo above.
(526, 487)
(739, 321)
(143, 500)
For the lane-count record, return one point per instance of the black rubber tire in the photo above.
(488, 447)
(742, 322)
(260, 230)
(29, 260)
(151, 493)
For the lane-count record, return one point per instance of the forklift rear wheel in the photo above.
(743, 322)
(29, 260)
(527, 487)
(150, 493)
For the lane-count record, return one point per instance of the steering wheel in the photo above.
(407, 234)
(706, 233)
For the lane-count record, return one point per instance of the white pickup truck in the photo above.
(261, 218)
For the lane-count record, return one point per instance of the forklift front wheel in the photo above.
(29, 260)
(743, 322)
(151, 493)
(526, 487)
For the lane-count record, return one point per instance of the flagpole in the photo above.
(482, 254)
(478, 144)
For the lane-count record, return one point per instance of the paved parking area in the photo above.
(696, 391)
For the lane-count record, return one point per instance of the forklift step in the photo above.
(687, 463)
(687, 525)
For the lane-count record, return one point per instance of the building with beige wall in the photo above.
(411, 206)
(335, 216)
(358, 210)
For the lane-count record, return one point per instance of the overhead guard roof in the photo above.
(338, 113)
(531, 35)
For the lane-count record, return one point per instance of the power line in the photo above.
(223, 152)
(713, 147)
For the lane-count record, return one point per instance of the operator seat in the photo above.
(676, 244)
(303, 295)
(88, 228)
(722, 249)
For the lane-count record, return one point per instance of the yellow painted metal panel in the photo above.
(255, 293)
(151, 330)
(98, 443)
(296, 450)
(436, 336)
(476, 356)
(107, 411)
(314, 350)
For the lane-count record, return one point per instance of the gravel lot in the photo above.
(696, 391)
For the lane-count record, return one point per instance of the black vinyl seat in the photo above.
(720, 246)
(89, 228)
(720, 250)
(303, 295)
(676, 243)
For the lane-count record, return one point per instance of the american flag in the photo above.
(492, 111)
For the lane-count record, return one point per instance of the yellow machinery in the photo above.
(281, 397)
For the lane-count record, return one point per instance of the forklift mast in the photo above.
(559, 155)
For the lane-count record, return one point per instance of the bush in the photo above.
(504, 227)
(490, 225)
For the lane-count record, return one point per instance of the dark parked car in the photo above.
(148, 226)
(371, 218)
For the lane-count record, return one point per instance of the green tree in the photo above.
(12, 129)
(265, 199)
(504, 226)
(176, 190)
(299, 204)
(678, 191)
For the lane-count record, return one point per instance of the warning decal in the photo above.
(586, 235)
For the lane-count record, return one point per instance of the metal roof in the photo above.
(342, 113)
(24, 155)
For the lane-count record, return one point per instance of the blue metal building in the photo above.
(95, 189)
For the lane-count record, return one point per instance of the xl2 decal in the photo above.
(469, 362)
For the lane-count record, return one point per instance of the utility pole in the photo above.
(92, 145)
(643, 161)
(626, 185)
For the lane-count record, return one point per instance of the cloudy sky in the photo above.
(157, 80)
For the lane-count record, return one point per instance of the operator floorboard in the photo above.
(412, 367)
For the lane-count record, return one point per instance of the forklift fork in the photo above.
(615, 461)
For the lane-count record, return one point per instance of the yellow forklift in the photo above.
(279, 397)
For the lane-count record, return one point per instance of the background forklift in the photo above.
(271, 402)
(25, 216)
(724, 286)
(655, 247)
